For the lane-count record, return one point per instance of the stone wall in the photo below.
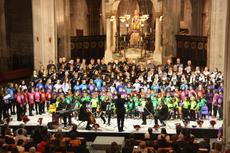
(188, 15)
(19, 30)
(206, 18)
(79, 16)
(62, 13)
(217, 35)
(171, 26)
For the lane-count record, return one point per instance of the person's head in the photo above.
(64, 59)
(83, 61)
(8, 131)
(189, 62)
(180, 137)
(43, 90)
(92, 61)
(22, 126)
(178, 60)
(20, 132)
(142, 145)
(114, 147)
(150, 130)
(78, 60)
(84, 103)
(20, 142)
(51, 61)
(169, 61)
(60, 60)
(217, 146)
(32, 150)
(83, 142)
(74, 128)
(163, 131)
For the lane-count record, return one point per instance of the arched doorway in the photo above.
(134, 26)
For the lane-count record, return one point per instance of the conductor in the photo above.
(84, 115)
(120, 111)
(161, 113)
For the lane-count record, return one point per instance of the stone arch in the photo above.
(115, 7)
(126, 7)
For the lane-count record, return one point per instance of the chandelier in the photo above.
(124, 18)
(144, 17)
(112, 18)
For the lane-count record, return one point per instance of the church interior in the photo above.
(114, 76)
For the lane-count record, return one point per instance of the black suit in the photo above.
(161, 114)
(120, 110)
(84, 115)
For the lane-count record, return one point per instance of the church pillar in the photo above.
(157, 56)
(103, 17)
(171, 27)
(217, 35)
(44, 32)
(62, 13)
(3, 45)
(158, 35)
(108, 52)
(197, 17)
(226, 59)
(114, 23)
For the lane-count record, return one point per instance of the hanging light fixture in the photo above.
(112, 18)
(145, 15)
(127, 17)
(122, 19)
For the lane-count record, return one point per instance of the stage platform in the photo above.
(111, 130)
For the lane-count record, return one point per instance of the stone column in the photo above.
(103, 17)
(3, 45)
(157, 56)
(171, 27)
(226, 59)
(197, 17)
(44, 32)
(114, 22)
(108, 53)
(62, 13)
(158, 35)
(217, 35)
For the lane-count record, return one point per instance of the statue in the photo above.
(136, 21)
(135, 33)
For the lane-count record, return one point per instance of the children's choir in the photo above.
(189, 92)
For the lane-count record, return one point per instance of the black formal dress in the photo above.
(120, 110)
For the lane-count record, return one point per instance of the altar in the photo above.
(133, 32)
